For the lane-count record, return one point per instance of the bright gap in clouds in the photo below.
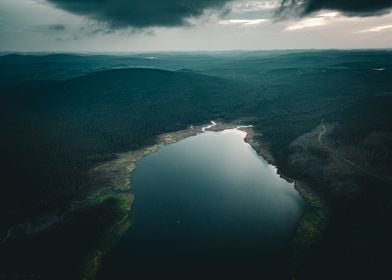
(243, 21)
(318, 20)
(376, 28)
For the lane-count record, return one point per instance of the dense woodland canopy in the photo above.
(63, 114)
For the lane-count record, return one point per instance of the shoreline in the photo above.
(116, 175)
(115, 178)
(311, 226)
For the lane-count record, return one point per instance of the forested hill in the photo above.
(56, 130)
(315, 111)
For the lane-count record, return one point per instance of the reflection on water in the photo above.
(210, 205)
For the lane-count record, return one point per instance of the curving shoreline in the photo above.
(116, 175)
(114, 181)
(312, 224)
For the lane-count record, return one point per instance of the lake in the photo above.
(207, 206)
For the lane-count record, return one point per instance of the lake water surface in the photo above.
(207, 205)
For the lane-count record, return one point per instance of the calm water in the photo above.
(207, 205)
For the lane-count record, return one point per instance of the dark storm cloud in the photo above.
(348, 7)
(147, 13)
(140, 13)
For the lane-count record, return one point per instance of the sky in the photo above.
(193, 25)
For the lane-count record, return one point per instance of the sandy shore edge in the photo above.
(117, 175)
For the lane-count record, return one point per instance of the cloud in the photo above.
(57, 27)
(318, 20)
(376, 29)
(347, 7)
(311, 22)
(119, 14)
(242, 21)
(140, 14)
(254, 5)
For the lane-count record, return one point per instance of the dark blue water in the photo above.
(207, 206)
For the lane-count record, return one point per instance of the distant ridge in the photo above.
(146, 76)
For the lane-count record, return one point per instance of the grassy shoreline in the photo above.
(115, 178)
(312, 224)
(115, 181)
